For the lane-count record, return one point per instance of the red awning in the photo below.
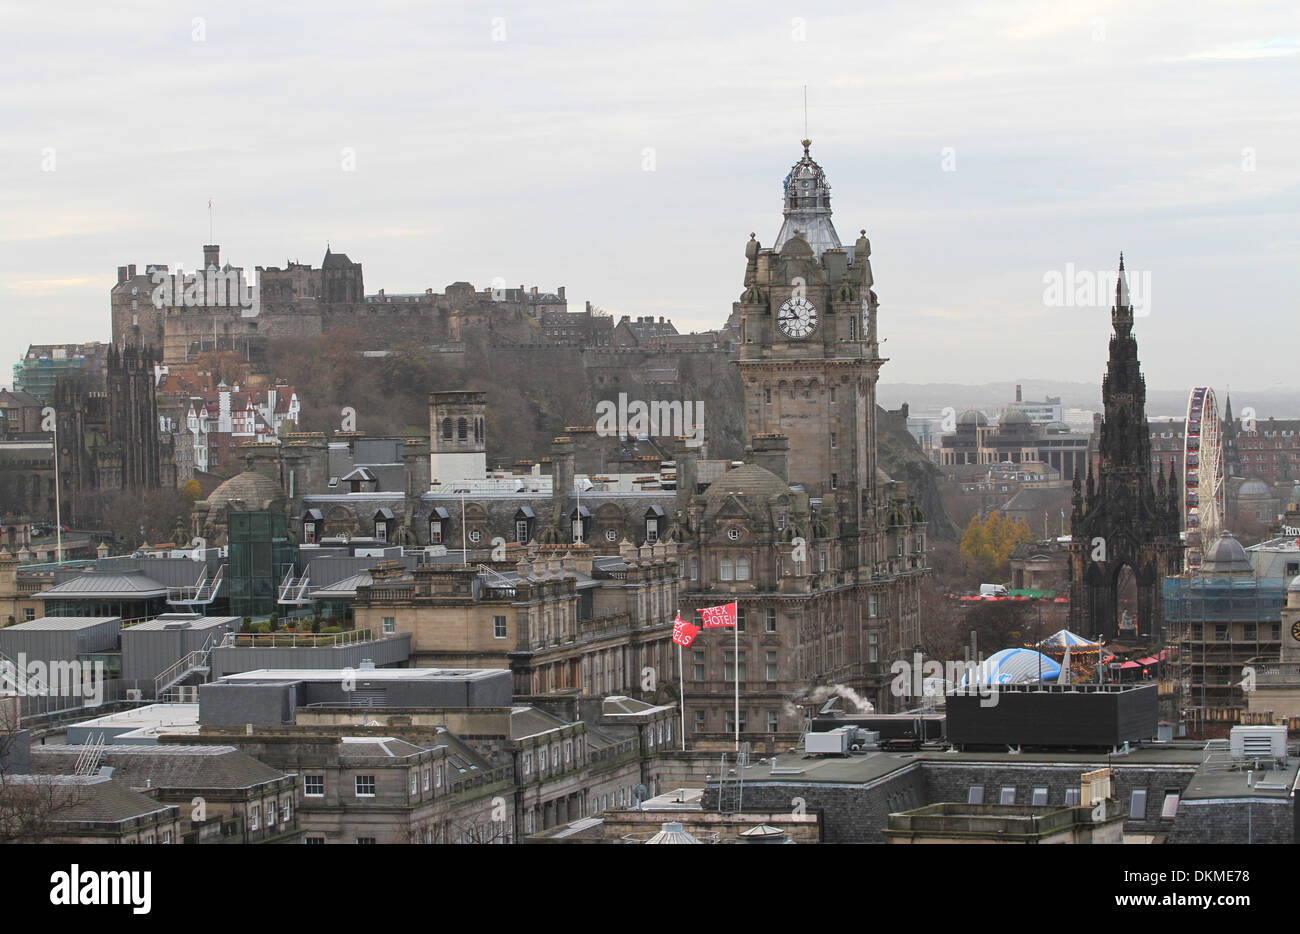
(1130, 665)
(1149, 660)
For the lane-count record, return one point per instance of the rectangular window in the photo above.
(254, 818)
(740, 619)
(270, 814)
(832, 442)
(365, 839)
(1071, 797)
(699, 721)
(771, 621)
(316, 840)
(772, 721)
(1040, 797)
(835, 479)
(651, 531)
(286, 808)
(873, 647)
(415, 783)
(498, 627)
(313, 786)
(1137, 805)
(365, 786)
(521, 531)
(1169, 810)
(873, 605)
(833, 388)
(435, 533)
(390, 625)
(29, 614)
(975, 795)
(428, 779)
(1008, 795)
(771, 666)
(697, 659)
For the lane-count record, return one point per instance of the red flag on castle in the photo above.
(684, 633)
(718, 616)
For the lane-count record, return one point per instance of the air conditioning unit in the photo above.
(1257, 742)
(135, 695)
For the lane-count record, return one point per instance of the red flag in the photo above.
(684, 633)
(717, 616)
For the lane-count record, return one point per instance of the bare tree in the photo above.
(30, 805)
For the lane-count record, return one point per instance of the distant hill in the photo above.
(992, 397)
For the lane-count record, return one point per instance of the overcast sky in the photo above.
(627, 151)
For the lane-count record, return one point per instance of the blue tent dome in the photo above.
(1013, 666)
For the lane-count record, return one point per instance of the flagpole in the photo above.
(681, 670)
(735, 671)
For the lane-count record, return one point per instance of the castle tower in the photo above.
(1126, 520)
(457, 437)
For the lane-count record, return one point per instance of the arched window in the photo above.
(446, 429)
(462, 430)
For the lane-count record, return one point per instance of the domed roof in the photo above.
(972, 417)
(1253, 488)
(751, 481)
(247, 491)
(807, 207)
(1294, 586)
(1016, 417)
(1225, 556)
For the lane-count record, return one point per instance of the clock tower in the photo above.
(809, 358)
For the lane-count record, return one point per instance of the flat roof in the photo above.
(147, 721)
(1231, 783)
(367, 674)
(62, 623)
(179, 622)
(864, 768)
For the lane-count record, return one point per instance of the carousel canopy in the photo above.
(1059, 640)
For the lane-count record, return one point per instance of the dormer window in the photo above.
(654, 516)
(437, 525)
(523, 524)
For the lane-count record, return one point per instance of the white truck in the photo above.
(993, 590)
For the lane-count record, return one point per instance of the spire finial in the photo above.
(806, 144)
(1121, 260)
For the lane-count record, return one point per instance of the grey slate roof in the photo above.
(385, 747)
(166, 766)
(94, 798)
(529, 721)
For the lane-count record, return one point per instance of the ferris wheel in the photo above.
(1203, 482)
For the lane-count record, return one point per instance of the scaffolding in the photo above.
(1217, 624)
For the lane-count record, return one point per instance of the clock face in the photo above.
(797, 318)
(1295, 631)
